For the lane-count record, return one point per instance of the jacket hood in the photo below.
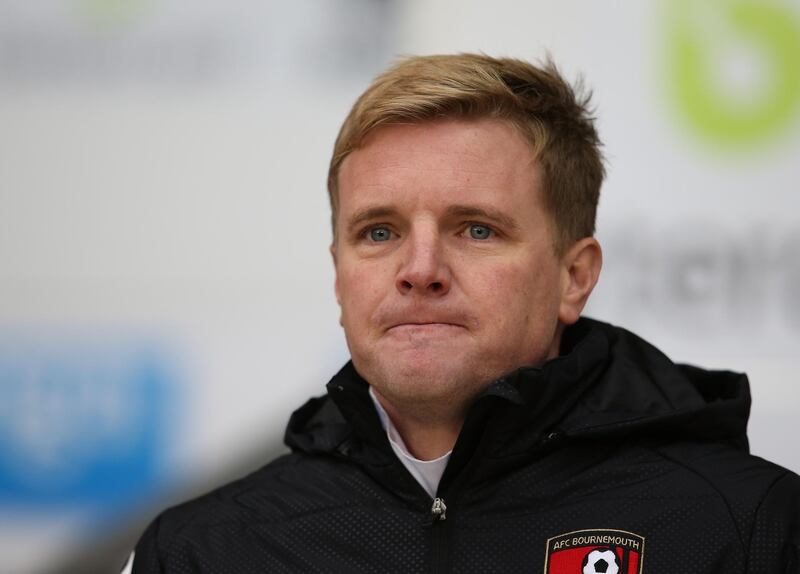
(606, 382)
(642, 392)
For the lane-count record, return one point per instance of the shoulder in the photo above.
(732, 472)
(761, 498)
(777, 527)
(290, 486)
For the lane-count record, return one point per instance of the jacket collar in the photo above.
(606, 382)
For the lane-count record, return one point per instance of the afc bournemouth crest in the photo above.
(600, 551)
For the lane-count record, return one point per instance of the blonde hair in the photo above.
(545, 108)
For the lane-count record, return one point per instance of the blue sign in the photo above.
(82, 423)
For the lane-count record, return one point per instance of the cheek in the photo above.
(499, 297)
(361, 289)
(516, 295)
(504, 285)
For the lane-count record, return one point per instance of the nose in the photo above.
(423, 270)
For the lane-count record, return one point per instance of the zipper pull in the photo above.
(439, 509)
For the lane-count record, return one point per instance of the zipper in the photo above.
(439, 509)
(440, 552)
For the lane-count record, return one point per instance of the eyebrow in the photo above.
(369, 214)
(484, 213)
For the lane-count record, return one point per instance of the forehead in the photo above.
(445, 159)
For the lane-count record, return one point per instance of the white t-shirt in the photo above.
(427, 472)
(128, 565)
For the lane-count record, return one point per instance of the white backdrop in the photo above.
(165, 287)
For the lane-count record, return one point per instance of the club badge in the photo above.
(595, 551)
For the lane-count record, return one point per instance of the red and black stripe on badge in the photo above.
(595, 551)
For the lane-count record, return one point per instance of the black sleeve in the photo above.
(147, 559)
(775, 541)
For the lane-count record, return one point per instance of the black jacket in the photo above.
(609, 458)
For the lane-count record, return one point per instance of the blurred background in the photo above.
(165, 287)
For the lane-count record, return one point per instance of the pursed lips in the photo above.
(424, 326)
(409, 319)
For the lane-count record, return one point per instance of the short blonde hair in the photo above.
(554, 119)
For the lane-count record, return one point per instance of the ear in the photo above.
(581, 266)
(336, 274)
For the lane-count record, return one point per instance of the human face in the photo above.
(446, 272)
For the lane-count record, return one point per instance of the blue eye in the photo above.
(380, 234)
(479, 232)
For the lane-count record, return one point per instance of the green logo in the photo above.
(111, 12)
(734, 67)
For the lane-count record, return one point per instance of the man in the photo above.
(482, 425)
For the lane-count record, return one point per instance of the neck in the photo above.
(426, 438)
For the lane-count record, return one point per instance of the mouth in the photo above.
(424, 327)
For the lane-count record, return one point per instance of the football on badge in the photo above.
(601, 561)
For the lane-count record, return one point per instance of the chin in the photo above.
(421, 382)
